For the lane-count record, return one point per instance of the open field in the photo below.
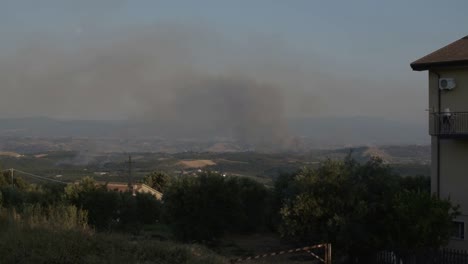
(73, 165)
(10, 154)
(195, 164)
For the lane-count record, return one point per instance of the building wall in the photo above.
(453, 152)
(454, 179)
(453, 171)
(456, 99)
(434, 165)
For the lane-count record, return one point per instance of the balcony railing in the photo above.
(449, 124)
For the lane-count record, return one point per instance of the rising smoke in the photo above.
(94, 59)
(180, 81)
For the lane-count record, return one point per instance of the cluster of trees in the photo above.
(19, 193)
(105, 209)
(110, 210)
(157, 180)
(204, 208)
(361, 208)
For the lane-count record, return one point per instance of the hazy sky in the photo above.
(112, 59)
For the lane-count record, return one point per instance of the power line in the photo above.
(40, 177)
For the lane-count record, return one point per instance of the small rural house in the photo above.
(137, 187)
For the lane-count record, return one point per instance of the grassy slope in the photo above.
(22, 245)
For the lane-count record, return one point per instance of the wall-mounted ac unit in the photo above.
(446, 83)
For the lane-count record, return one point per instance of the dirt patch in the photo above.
(231, 161)
(192, 164)
(10, 154)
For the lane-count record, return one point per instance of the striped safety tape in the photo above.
(281, 253)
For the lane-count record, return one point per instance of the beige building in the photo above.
(137, 188)
(448, 127)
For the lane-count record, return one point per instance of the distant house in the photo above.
(448, 126)
(137, 187)
(101, 173)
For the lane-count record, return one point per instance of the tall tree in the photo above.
(205, 207)
(354, 206)
(157, 180)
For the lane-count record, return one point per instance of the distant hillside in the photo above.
(339, 131)
(72, 164)
(48, 127)
(315, 132)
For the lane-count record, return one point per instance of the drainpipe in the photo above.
(439, 103)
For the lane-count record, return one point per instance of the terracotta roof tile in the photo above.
(454, 54)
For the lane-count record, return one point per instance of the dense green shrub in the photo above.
(419, 221)
(111, 210)
(13, 197)
(44, 246)
(362, 208)
(203, 208)
(157, 180)
(18, 182)
(148, 208)
(252, 204)
(416, 183)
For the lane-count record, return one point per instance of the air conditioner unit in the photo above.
(446, 83)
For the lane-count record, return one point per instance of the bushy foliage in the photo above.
(252, 204)
(148, 208)
(419, 221)
(49, 193)
(417, 183)
(350, 205)
(102, 206)
(203, 208)
(13, 197)
(20, 244)
(17, 182)
(13, 191)
(157, 180)
(359, 207)
(52, 217)
(109, 210)
(85, 185)
(197, 208)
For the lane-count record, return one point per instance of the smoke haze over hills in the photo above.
(312, 132)
(85, 60)
(177, 84)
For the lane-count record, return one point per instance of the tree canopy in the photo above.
(157, 180)
(362, 208)
(205, 207)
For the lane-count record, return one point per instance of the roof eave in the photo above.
(440, 64)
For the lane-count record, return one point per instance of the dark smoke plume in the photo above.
(165, 76)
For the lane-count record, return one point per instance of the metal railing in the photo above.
(448, 124)
(442, 256)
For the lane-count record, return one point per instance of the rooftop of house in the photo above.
(117, 186)
(124, 187)
(453, 55)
